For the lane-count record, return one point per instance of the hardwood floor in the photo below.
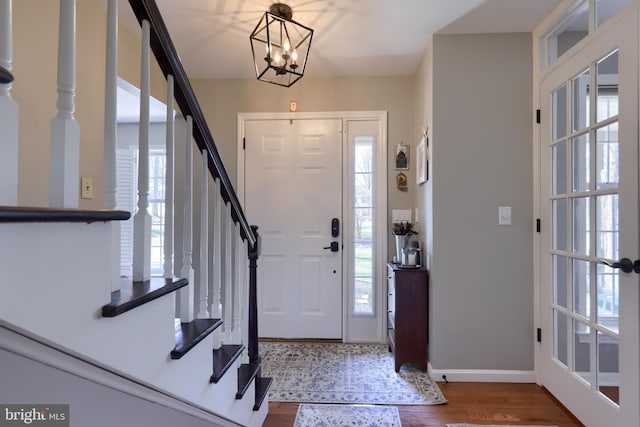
(479, 403)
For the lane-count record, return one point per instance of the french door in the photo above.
(589, 207)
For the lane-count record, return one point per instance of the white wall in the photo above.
(90, 403)
(481, 273)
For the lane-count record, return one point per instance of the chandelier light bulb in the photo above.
(294, 57)
(287, 46)
(277, 59)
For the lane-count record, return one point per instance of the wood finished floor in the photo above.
(476, 403)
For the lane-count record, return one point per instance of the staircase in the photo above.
(187, 341)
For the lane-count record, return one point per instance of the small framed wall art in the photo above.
(422, 159)
(402, 157)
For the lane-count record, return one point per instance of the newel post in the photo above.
(254, 253)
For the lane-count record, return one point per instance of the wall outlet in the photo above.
(86, 185)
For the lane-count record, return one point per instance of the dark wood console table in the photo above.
(408, 306)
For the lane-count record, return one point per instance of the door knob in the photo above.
(625, 264)
(334, 247)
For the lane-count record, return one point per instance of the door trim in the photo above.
(381, 191)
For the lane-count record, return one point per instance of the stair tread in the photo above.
(139, 293)
(247, 373)
(223, 359)
(262, 389)
(189, 334)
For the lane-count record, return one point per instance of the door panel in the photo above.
(589, 196)
(293, 190)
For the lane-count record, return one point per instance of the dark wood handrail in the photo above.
(167, 57)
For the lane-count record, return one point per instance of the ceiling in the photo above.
(352, 38)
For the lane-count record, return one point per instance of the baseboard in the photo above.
(482, 375)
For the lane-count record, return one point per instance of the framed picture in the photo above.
(402, 157)
(422, 160)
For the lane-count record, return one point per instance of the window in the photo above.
(364, 181)
(577, 24)
(127, 199)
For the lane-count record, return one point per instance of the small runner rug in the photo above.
(347, 416)
(343, 373)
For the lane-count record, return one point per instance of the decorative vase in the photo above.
(401, 241)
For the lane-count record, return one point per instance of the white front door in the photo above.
(293, 192)
(589, 202)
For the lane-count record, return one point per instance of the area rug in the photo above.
(492, 425)
(343, 373)
(347, 416)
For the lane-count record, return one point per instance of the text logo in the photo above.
(34, 415)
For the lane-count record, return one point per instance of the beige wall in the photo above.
(35, 67)
(222, 100)
(35, 47)
(476, 92)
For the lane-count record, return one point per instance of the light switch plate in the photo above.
(504, 215)
(400, 215)
(86, 185)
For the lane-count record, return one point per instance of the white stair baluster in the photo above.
(185, 295)
(110, 136)
(8, 114)
(244, 301)
(228, 276)
(142, 218)
(169, 182)
(238, 285)
(203, 312)
(64, 180)
(216, 294)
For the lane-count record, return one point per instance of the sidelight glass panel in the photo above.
(607, 226)
(607, 157)
(580, 159)
(581, 287)
(581, 232)
(363, 302)
(580, 101)
(559, 153)
(582, 350)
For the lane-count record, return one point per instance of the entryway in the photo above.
(315, 184)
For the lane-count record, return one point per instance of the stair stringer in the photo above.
(56, 281)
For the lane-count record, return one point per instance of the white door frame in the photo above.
(380, 255)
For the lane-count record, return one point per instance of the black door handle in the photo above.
(334, 247)
(625, 264)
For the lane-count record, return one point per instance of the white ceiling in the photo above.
(352, 37)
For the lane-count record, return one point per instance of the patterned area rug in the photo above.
(347, 416)
(343, 373)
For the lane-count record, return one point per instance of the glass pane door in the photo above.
(589, 168)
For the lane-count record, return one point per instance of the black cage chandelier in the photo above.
(280, 46)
